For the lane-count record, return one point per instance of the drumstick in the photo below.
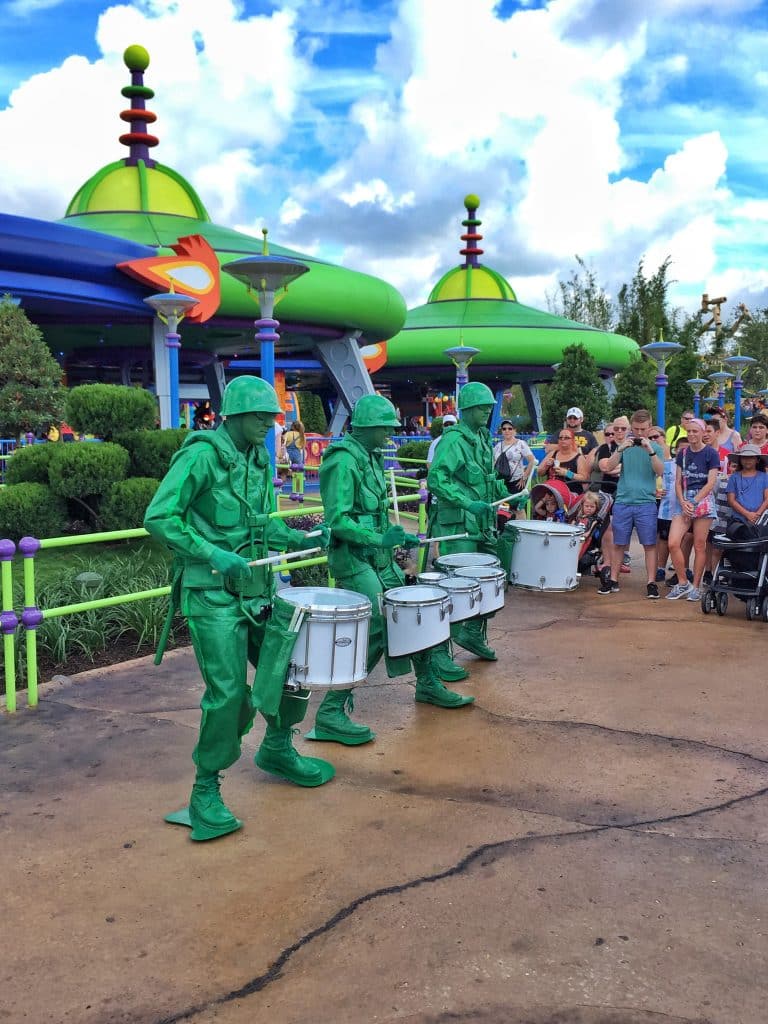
(279, 558)
(437, 540)
(394, 496)
(501, 501)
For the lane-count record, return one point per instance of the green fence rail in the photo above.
(32, 616)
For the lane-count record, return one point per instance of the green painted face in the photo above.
(249, 429)
(371, 438)
(477, 416)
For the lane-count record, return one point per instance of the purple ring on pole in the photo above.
(8, 622)
(29, 546)
(31, 617)
(7, 550)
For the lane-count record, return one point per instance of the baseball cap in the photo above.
(575, 411)
(448, 419)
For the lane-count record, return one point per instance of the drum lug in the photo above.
(290, 684)
(546, 540)
(569, 581)
(418, 616)
(543, 580)
(394, 614)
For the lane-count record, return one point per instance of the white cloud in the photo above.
(226, 88)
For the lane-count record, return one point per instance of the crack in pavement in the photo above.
(597, 727)
(489, 851)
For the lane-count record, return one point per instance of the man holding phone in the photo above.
(641, 462)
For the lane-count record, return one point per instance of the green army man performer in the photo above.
(463, 481)
(360, 558)
(212, 509)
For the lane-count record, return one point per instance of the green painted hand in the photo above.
(231, 565)
(479, 508)
(394, 537)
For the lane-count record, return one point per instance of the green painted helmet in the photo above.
(475, 393)
(249, 394)
(374, 411)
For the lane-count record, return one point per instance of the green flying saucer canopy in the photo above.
(141, 200)
(474, 305)
(137, 183)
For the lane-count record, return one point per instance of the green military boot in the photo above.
(334, 725)
(207, 814)
(277, 754)
(471, 635)
(444, 665)
(429, 689)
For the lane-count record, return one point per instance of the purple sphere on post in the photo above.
(29, 546)
(7, 550)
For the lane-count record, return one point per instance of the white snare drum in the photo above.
(431, 579)
(546, 556)
(331, 648)
(417, 618)
(464, 559)
(492, 583)
(466, 597)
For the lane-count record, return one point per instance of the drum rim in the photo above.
(474, 554)
(542, 526)
(413, 603)
(493, 572)
(453, 588)
(362, 607)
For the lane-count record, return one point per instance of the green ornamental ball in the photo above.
(136, 58)
(471, 201)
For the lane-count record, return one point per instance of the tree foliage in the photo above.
(31, 395)
(312, 413)
(583, 299)
(576, 382)
(108, 409)
(635, 388)
(31, 510)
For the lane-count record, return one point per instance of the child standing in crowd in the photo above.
(697, 469)
(748, 485)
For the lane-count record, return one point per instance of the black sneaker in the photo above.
(707, 579)
(689, 575)
(614, 587)
(671, 581)
(605, 587)
(652, 592)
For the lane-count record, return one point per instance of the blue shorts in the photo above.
(641, 517)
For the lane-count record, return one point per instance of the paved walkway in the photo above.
(586, 845)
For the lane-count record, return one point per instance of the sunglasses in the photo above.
(621, 428)
(507, 428)
(608, 433)
(654, 437)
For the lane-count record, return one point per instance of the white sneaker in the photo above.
(679, 590)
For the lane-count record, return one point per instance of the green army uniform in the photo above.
(463, 480)
(214, 503)
(356, 508)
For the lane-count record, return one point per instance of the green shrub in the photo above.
(31, 510)
(413, 450)
(126, 502)
(29, 465)
(151, 451)
(108, 409)
(85, 471)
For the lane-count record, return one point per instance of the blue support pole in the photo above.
(266, 337)
(661, 397)
(738, 384)
(173, 344)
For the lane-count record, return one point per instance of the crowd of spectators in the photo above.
(671, 488)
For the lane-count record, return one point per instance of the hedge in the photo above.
(108, 409)
(126, 503)
(29, 465)
(86, 469)
(31, 510)
(151, 450)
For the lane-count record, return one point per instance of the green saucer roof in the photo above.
(475, 306)
(139, 199)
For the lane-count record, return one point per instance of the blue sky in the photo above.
(612, 129)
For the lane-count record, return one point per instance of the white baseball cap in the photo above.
(449, 418)
(575, 411)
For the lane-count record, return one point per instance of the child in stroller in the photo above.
(593, 512)
(551, 501)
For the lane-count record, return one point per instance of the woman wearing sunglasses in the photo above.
(565, 462)
(521, 461)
